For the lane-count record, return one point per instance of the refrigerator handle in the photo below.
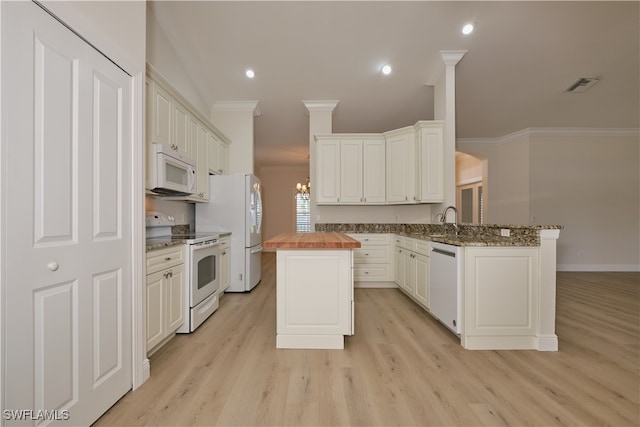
(256, 249)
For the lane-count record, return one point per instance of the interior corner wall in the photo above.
(117, 29)
(164, 58)
(238, 126)
(507, 179)
(278, 203)
(590, 184)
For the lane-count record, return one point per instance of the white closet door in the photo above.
(67, 142)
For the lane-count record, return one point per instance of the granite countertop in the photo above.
(468, 234)
(318, 240)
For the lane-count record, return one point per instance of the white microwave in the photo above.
(174, 172)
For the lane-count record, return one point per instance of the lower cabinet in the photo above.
(412, 268)
(372, 261)
(164, 295)
(225, 263)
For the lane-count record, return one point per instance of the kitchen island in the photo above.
(314, 289)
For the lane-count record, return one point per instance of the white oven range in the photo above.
(202, 287)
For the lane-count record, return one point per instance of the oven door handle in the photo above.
(256, 249)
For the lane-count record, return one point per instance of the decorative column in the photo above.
(443, 78)
(320, 122)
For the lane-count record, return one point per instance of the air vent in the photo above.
(582, 84)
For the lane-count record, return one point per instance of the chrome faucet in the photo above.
(455, 219)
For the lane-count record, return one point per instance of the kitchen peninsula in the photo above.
(314, 286)
(503, 281)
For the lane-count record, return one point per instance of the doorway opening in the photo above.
(471, 188)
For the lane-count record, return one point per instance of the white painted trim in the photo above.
(374, 285)
(438, 65)
(3, 240)
(248, 106)
(138, 347)
(599, 267)
(548, 342)
(554, 132)
(328, 105)
(468, 181)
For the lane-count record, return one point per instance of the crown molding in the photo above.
(246, 106)
(328, 105)
(443, 58)
(553, 132)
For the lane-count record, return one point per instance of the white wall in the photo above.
(590, 183)
(586, 180)
(163, 57)
(236, 121)
(117, 29)
(278, 203)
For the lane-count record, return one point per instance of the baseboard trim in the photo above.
(362, 284)
(598, 267)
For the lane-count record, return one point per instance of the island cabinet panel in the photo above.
(501, 298)
(314, 298)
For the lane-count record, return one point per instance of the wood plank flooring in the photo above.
(400, 368)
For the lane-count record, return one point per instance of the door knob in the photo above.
(53, 266)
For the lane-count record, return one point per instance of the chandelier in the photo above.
(303, 189)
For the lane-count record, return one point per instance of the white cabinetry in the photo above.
(501, 298)
(164, 295)
(314, 298)
(350, 169)
(225, 263)
(401, 166)
(218, 156)
(373, 260)
(327, 182)
(430, 144)
(412, 268)
(173, 121)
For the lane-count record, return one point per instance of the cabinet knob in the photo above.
(168, 258)
(53, 266)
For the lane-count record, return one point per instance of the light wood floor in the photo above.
(400, 368)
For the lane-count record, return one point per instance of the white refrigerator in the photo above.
(235, 205)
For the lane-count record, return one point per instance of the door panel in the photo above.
(67, 143)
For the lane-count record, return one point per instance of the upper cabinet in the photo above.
(430, 155)
(174, 122)
(402, 166)
(350, 169)
(218, 156)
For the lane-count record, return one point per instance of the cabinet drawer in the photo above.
(164, 258)
(410, 244)
(372, 238)
(378, 272)
(223, 243)
(372, 255)
(422, 247)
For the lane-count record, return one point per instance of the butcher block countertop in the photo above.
(318, 240)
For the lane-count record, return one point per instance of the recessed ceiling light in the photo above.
(250, 74)
(386, 69)
(467, 29)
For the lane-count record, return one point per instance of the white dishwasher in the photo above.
(445, 284)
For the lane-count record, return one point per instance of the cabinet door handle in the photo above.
(168, 258)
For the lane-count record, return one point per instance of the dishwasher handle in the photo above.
(443, 252)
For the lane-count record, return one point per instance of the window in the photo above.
(303, 214)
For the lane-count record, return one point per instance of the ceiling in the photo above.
(519, 61)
